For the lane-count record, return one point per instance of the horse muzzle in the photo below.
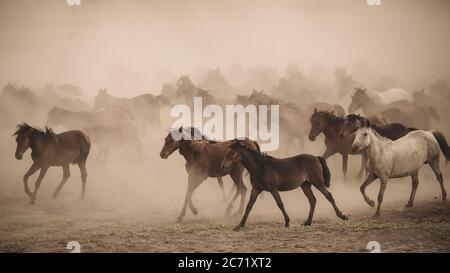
(355, 148)
(163, 155)
(19, 156)
(312, 138)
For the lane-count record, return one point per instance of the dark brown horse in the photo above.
(49, 149)
(330, 125)
(392, 131)
(273, 175)
(203, 158)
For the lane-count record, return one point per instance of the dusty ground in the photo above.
(132, 208)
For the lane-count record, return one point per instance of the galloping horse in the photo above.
(274, 174)
(399, 158)
(203, 158)
(331, 125)
(50, 149)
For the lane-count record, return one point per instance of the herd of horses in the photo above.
(394, 141)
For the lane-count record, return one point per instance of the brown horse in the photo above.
(392, 131)
(273, 175)
(330, 125)
(49, 149)
(203, 158)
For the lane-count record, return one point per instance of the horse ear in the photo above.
(315, 109)
(367, 123)
(181, 129)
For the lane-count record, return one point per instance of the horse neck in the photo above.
(370, 106)
(37, 145)
(188, 152)
(377, 144)
(250, 161)
(333, 128)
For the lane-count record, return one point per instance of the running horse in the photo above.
(331, 126)
(272, 174)
(203, 158)
(400, 158)
(49, 149)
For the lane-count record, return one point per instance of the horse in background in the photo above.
(203, 158)
(84, 119)
(49, 149)
(399, 158)
(107, 138)
(144, 108)
(401, 111)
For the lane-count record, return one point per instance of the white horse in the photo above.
(399, 158)
(390, 95)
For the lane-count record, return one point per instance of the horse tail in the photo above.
(326, 171)
(433, 112)
(442, 144)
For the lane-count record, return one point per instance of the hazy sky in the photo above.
(91, 44)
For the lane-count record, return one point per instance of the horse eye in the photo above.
(365, 134)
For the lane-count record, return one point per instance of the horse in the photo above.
(203, 158)
(331, 125)
(414, 115)
(393, 131)
(272, 174)
(83, 119)
(399, 158)
(49, 149)
(108, 137)
(144, 108)
(186, 88)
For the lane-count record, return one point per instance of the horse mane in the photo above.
(240, 143)
(24, 127)
(329, 116)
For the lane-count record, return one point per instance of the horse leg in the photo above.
(370, 178)
(37, 184)
(437, 171)
(415, 183)
(29, 173)
(193, 183)
(277, 197)
(383, 185)
(321, 187)
(220, 181)
(306, 187)
(82, 166)
(363, 166)
(254, 194)
(241, 189)
(344, 166)
(66, 174)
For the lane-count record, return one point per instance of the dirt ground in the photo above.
(129, 210)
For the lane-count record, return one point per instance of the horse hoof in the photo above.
(179, 220)
(195, 211)
(307, 224)
(409, 206)
(237, 228)
(376, 216)
(371, 203)
(344, 217)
